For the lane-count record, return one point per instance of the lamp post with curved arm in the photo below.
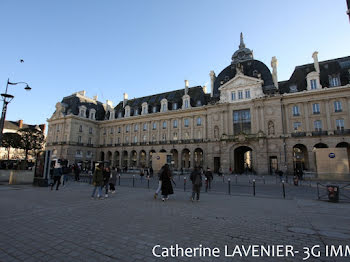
(7, 98)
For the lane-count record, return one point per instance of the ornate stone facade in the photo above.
(249, 121)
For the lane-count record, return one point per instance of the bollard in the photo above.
(253, 187)
(133, 180)
(119, 180)
(229, 186)
(284, 190)
(184, 183)
(236, 179)
(206, 184)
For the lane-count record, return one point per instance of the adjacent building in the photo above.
(249, 120)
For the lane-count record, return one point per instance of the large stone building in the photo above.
(249, 120)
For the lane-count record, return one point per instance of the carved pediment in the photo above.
(241, 81)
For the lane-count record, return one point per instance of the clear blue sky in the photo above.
(146, 47)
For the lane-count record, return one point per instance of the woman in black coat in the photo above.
(165, 177)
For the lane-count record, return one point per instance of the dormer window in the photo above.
(111, 115)
(247, 93)
(92, 115)
(174, 106)
(313, 84)
(136, 112)
(154, 109)
(199, 103)
(240, 94)
(127, 111)
(293, 89)
(144, 108)
(186, 103)
(334, 80)
(120, 115)
(82, 111)
(164, 105)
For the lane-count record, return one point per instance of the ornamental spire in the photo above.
(241, 44)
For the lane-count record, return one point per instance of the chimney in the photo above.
(186, 87)
(274, 64)
(125, 99)
(317, 66)
(212, 80)
(20, 123)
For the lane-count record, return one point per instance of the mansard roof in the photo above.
(336, 66)
(196, 94)
(73, 102)
(252, 68)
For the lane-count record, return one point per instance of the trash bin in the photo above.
(333, 193)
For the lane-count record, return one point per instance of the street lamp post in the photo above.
(7, 98)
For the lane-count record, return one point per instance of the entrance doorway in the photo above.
(273, 164)
(216, 164)
(243, 159)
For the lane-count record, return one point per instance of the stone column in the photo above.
(192, 127)
(328, 117)
(179, 137)
(306, 115)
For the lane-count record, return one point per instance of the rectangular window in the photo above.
(175, 123)
(144, 127)
(112, 130)
(337, 106)
(136, 112)
(136, 127)
(119, 129)
(297, 126)
(247, 93)
(127, 128)
(241, 122)
(199, 121)
(233, 96)
(154, 109)
(89, 141)
(174, 106)
(154, 125)
(313, 84)
(240, 94)
(318, 125)
(104, 131)
(164, 124)
(340, 124)
(316, 108)
(296, 111)
(334, 81)
(79, 139)
(186, 122)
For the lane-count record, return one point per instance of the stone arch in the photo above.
(243, 159)
(347, 146)
(125, 159)
(185, 158)
(109, 157)
(320, 145)
(300, 157)
(198, 157)
(152, 151)
(116, 159)
(142, 158)
(102, 156)
(133, 158)
(175, 158)
(162, 151)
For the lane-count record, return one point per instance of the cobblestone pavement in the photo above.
(37, 224)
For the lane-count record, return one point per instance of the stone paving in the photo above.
(37, 224)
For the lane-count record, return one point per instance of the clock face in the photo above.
(240, 54)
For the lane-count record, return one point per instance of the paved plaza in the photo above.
(37, 224)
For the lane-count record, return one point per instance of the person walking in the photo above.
(113, 180)
(151, 171)
(196, 178)
(106, 177)
(76, 172)
(97, 181)
(57, 173)
(165, 177)
(159, 184)
(209, 176)
(142, 173)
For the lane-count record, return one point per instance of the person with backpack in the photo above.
(57, 173)
(97, 181)
(196, 178)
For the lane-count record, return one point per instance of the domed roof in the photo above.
(252, 68)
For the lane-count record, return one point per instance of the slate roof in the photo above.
(339, 66)
(196, 94)
(72, 103)
(251, 68)
(14, 125)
